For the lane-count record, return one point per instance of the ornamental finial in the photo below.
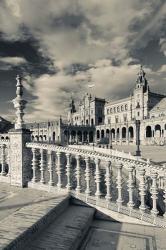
(19, 104)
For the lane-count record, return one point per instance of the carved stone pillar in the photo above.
(34, 165)
(119, 184)
(154, 193)
(42, 166)
(131, 186)
(78, 174)
(50, 167)
(8, 161)
(3, 173)
(142, 189)
(97, 179)
(68, 174)
(87, 176)
(108, 181)
(59, 170)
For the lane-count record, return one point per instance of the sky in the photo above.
(61, 47)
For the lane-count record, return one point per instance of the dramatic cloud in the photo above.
(104, 39)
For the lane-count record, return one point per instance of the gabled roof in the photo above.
(160, 106)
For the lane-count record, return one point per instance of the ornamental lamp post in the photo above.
(138, 151)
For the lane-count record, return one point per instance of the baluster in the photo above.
(154, 193)
(164, 193)
(142, 189)
(78, 174)
(8, 161)
(68, 186)
(3, 173)
(42, 165)
(87, 176)
(50, 167)
(119, 185)
(131, 186)
(59, 170)
(34, 165)
(108, 181)
(97, 179)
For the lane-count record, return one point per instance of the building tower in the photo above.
(140, 96)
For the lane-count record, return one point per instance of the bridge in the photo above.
(77, 196)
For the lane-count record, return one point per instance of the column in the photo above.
(97, 179)
(34, 165)
(142, 189)
(87, 176)
(8, 161)
(42, 165)
(119, 185)
(3, 173)
(131, 186)
(50, 167)
(68, 174)
(154, 193)
(59, 170)
(78, 174)
(108, 181)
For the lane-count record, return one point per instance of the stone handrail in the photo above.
(51, 168)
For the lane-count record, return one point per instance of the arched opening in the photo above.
(40, 138)
(73, 136)
(36, 138)
(32, 138)
(148, 131)
(2, 138)
(85, 136)
(102, 133)
(44, 137)
(118, 134)
(131, 133)
(124, 133)
(107, 133)
(53, 136)
(92, 122)
(79, 135)
(157, 130)
(98, 134)
(113, 134)
(91, 136)
(7, 138)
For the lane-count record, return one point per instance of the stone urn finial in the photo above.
(19, 104)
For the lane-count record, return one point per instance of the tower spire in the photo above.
(19, 104)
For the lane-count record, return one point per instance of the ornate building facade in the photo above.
(96, 120)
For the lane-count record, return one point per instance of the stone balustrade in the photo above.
(120, 184)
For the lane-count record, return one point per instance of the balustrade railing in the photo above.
(122, 185)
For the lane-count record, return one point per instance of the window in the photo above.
(108, 111)
(91, 111)
(122, 108)
(109, 121)
(118, 109)
(116, 119)
(138, 113)
(126, 107)
(115, 109)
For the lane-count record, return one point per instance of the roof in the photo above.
(160, 106)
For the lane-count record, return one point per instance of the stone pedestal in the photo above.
(20, 157)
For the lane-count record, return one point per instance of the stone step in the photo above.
(65, 232)
(21, 226)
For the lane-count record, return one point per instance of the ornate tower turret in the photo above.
(19, 104)
(141, 80)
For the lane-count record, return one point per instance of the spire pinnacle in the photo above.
(19, 104)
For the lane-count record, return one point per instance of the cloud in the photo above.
(15, 61)
(98, 34)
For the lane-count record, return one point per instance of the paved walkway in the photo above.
(66, 232)
(155, 153)
(21, 211)
(106, 235)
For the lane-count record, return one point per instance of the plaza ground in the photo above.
(156, 154)
(22, 207)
